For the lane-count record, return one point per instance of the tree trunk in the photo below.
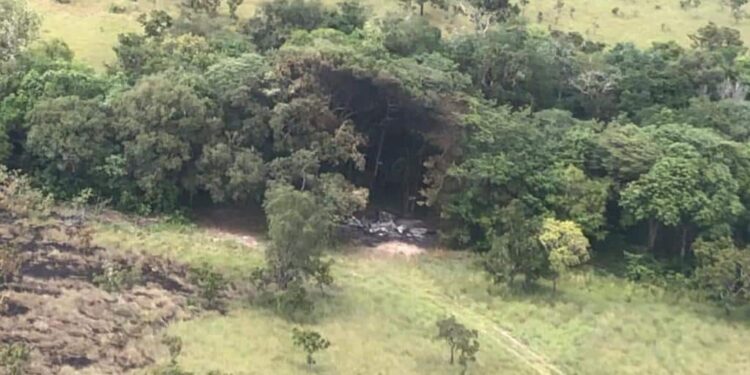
(421, 8)
(452, 349)
(653, 230)
(683, 243)
(377, 159)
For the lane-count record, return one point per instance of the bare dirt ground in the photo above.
(67, 320)
(244, 225)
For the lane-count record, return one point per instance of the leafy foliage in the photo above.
(210, 284)
(461, 340)
(18, 27)
(309, 341)
(723, 271)
(15, 358)
(566, 245)
(118, 277)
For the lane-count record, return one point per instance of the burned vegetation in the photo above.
(67, 305)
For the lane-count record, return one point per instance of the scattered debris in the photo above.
(389, 227)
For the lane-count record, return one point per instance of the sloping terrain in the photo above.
(380, 316)
(69, 306)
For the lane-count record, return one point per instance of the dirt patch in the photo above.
(397, 248)
(69, 322)
(242, 225)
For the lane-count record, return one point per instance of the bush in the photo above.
(311, 342)
(723, 272)
(210, 285)
(20, 198)
(14, 358)
(117, 277)
(10, 265)
(117, 9)
(411, 36)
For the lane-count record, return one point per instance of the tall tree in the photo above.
(163, 126)
(683, 190)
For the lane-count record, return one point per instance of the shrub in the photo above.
(117, 9)
(311, 342)
(14, 358)
(10, 264)
(19, 197)
(210, 285)
(117, 277)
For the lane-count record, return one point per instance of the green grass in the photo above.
(380, 318)
(640, 21)
(91, 30)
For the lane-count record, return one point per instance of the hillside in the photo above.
(91, 29)
(326, 190)
(380, 317)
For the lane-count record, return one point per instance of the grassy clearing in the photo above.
(640, 21)
(380, 319)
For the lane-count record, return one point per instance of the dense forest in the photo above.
(528, 145)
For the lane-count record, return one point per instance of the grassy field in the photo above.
(640, 21)
(91, 29)
(380, 318)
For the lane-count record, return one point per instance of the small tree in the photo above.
(566, 245)
(309, 341)
(210, 285)
(156, 23)
(461, 340)
(233, 5)
(518, 251)
(298, 227)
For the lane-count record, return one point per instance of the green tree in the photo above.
(566, 246)
(461, 340)
(210, 7)
(518, 250)
(309, 341)
(723, 271)
(231, 173)
(71, 138)
(18, 27)
(411, 36)
(162, 126)
(275, 20)
(683, 190)
(581, 199)
(298, 228)
(156, 23)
